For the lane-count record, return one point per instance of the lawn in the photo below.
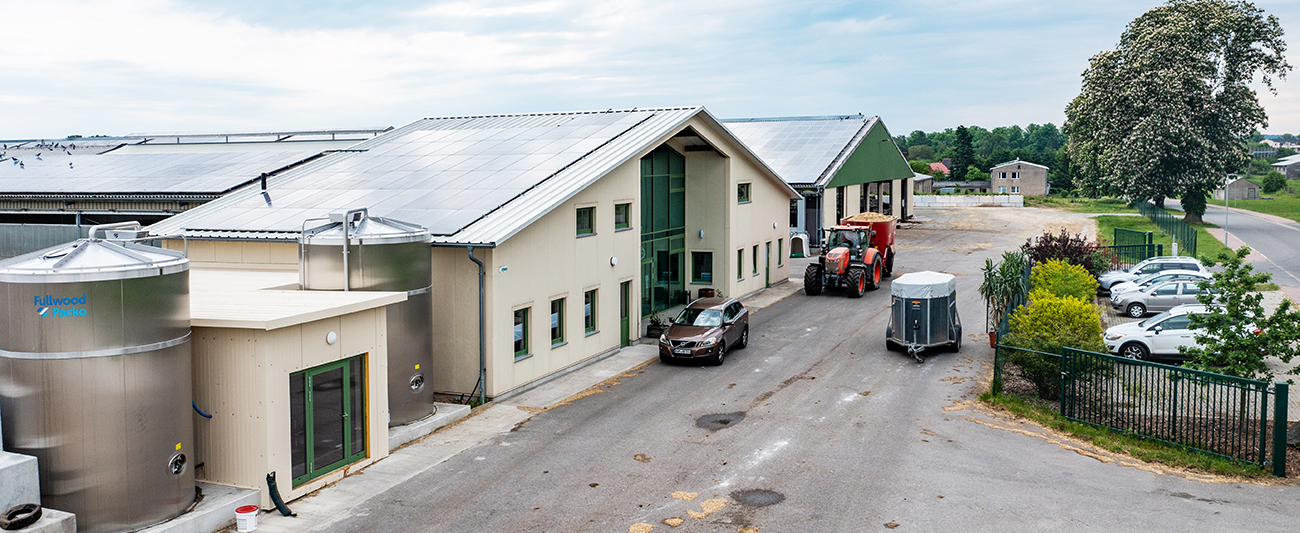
(1081, 205)
(1206, 244)
(1285, 203)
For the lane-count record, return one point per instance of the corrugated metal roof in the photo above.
(141, 170)
(1288, 160)
(803, 150)
(475, 180)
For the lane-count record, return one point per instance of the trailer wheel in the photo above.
(812, 280)
(873, 281)
(956, 343)
(857, 282)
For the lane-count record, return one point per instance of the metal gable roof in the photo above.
(1019, 162)
(803, 150)
(469, 180)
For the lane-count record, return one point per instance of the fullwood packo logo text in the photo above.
(50, 307)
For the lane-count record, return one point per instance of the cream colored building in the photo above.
(586, 225)
(256, 341)
(1019, 177)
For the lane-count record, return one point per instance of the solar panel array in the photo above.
(442, 174)
(800, 151)
(84, 171)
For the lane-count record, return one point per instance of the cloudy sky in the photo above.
(134, 66)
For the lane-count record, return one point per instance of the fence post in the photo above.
(1065, 377)
(1160, 250)
(1263, 422)
(1280, 399)
(996, 389)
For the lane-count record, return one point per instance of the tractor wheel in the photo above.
(857, 282)
(889, 262)
(873, 278)
(812, 280)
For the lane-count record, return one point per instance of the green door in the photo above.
(624, 313)
(767, 266)
(327, 418)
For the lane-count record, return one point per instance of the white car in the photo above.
(1150, 266)
(1157, 337)
(1153, 279)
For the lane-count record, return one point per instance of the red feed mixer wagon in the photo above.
(856, 255)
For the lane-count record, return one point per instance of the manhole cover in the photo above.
(719, 421)
(757, 497)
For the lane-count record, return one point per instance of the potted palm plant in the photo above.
(658, 325)
(1004, 285)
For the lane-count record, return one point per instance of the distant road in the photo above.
(1277, 241)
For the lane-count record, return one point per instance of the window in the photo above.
(622, 216)
(702, 267)
(1178, 322)
(740, 263)
(1002, 175)
(742, 193)
(318, 398)
(1015, 190)
(586, 221)
(754, 257)
(780, 252)
(1015, 175)
(1002, 189)
(589, 311)
(557, 322)
(521, 333)
(1167, 289)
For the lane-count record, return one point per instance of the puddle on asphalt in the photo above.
(757, 497)
(719, 421)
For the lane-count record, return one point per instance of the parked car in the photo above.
(1157, 297)
(705, 330)
(1150, 266)
(1152, 279)
(1159, 337)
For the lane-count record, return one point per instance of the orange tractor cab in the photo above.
(856, 255)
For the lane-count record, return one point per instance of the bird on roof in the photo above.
(69, 164)
(38, 156)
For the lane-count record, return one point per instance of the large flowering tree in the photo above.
(1165, 114)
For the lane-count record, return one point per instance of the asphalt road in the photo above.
(845, 435)
(1277, 241)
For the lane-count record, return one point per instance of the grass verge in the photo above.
(1137, 447)
(1284, 203)
(1206, 244)
(1081, 205)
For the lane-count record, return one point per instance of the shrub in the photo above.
(1273, 181)
(1073, 249)
(1063, 279)
(1047, 324)
(919, 167)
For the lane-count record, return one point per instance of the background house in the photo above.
(1019, 177)
(1289, 165)
(1238, 189)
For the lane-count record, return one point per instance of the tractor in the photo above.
(855, 255)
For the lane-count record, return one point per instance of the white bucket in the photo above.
(246, 518)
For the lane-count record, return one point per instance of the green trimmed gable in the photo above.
(876, 159)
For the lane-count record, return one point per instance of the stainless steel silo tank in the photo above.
(382, 255)
(95, 377)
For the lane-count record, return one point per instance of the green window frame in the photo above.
(340, 388)
(702, 267)
(557, 322)
(780, 252)
(589, 311)
(742, 193)
(622, 216)
(521, 333)
(740, 264)
(586, 221)
(755, 259)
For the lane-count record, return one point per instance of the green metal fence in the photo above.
(1125, 237)
(1125, 256)
(1238, 419)
(1183, 235)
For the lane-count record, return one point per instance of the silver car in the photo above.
(1150, 266)
(1153, 279)
(1158, 297)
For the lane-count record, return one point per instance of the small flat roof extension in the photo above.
(269, 300)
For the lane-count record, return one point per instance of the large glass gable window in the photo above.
(663, 230)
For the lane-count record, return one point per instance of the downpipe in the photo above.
(482, 342)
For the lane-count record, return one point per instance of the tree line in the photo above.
(974, 150)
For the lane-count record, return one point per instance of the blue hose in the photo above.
(196, 409)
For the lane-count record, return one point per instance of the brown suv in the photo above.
(706, 329)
